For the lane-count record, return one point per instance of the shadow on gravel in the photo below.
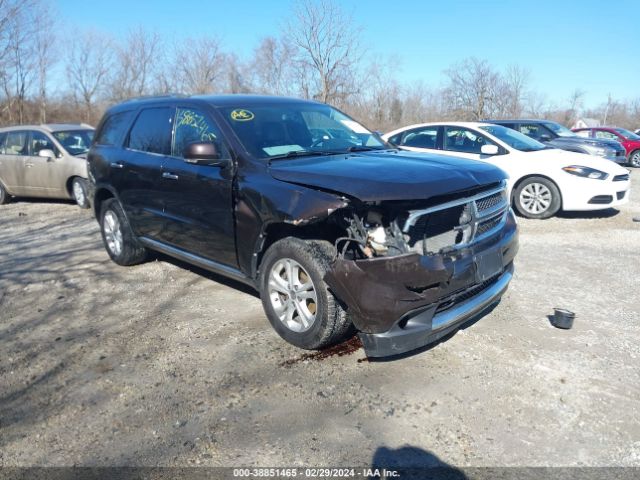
(414, 463)
(214, 277)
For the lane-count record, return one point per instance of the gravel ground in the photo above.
(162, 364)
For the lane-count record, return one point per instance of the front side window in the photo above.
(606, 135)
(76, 142)
(113, 129)
(193, 126)
(278, 130)
(514, 138)
(40, 141)
(463, 140)
(15, 143)
(534, 131)
(151, 131)
(421, 138)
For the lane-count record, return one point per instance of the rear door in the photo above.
(146, 146)
(13, 151)
(197, 199)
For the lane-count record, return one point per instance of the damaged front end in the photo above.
(411, 272)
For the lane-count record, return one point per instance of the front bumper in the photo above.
(425, 326)
(404, 302)
(581, 194)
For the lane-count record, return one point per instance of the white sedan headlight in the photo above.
(586, 172)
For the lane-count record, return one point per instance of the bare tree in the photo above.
(18, 74)
(136, 59)
(199, 65)
(327, 50)
(45, 41)
(272, 66)
(516, 79)
(90, 60)
(576, 102)
(472, 88)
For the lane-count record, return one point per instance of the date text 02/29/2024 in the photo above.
(315, 473)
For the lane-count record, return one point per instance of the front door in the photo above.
(198, 206)
(42, 175)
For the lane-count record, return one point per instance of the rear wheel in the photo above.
(79, 192)
(296, 299)
(119, 240)
(537, 197)
(634, 159)
(4, 195)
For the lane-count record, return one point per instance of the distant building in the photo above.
(586, 123)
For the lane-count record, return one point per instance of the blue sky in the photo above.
(590, 45)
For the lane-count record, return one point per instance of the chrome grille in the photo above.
(457, 223)
(489, 202)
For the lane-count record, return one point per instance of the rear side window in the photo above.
(421, 138)
(151, 131)
(15, 143)
(113, 129)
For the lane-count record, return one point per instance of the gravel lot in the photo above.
(162, 364)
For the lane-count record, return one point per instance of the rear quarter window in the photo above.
(113, 129)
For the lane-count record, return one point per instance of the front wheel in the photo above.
(296, 299)
(121, 243)
(634, 159)
(79, 192)
(537, 197)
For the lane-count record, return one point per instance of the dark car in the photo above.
(336, 230)
(555, 135)
(629, 140)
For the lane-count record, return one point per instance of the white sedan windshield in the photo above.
(514, 139)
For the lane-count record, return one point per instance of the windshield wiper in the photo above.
(363, 148)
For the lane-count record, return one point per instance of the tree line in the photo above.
(318, 54)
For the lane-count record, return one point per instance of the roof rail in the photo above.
(151, 97)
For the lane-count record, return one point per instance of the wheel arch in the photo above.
(101, 194)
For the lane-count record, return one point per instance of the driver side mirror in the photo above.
(203, 153)
(489, 149)
(47, 153)
(545, 138)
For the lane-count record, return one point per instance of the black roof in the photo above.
(230, 100)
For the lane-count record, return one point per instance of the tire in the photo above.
(4, 195)
(79, 192)
(634, 159)
(315, 319)
(119, 240)
(537, 197)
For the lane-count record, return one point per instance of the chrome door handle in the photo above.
(116, 165)
(28, 165)
(172, 176)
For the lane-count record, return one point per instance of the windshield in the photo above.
(76, 142)
(514, 138)
(296, 129)
(627, 134)
(559, 130)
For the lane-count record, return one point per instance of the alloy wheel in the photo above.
(535, 198)
(293, 295)
(112, 232)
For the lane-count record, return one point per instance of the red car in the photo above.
(629, 140)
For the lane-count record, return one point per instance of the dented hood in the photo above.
(387, 175)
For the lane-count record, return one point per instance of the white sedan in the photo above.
(542, 180)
